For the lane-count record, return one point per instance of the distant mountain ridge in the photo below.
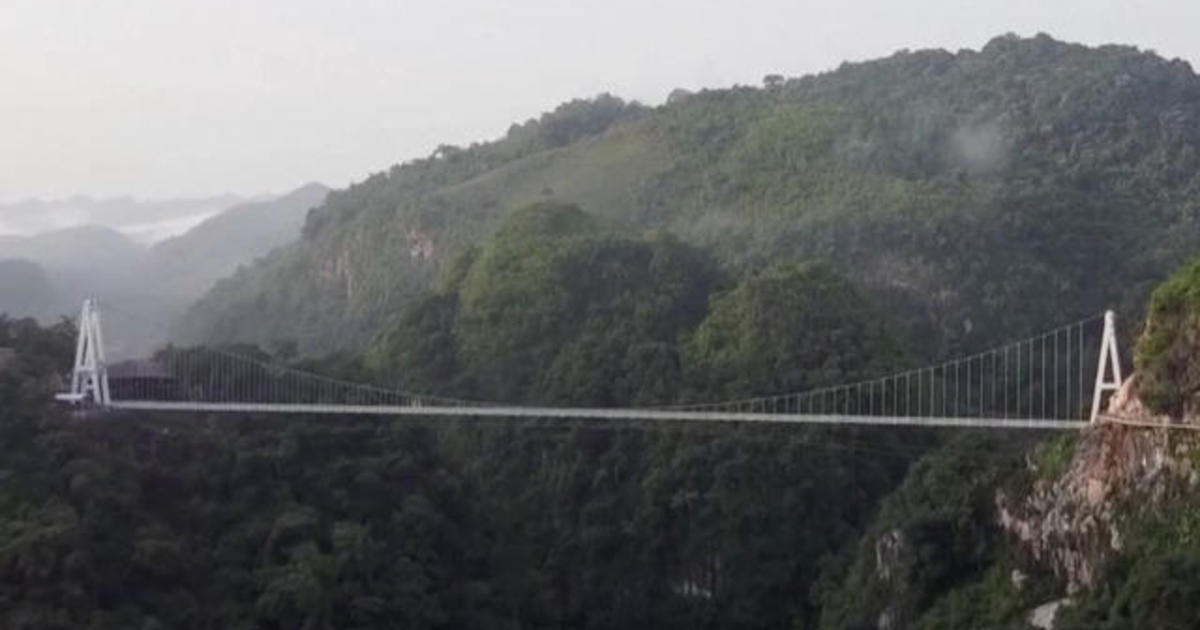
(86, 246)
(161, 280)
(191, 262)
(143, 221)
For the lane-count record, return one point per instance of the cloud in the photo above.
(979, 148)
(155, 231)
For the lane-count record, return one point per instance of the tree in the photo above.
(787, 328)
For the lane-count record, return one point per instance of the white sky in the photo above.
(165, 98)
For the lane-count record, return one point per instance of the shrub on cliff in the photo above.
(1168, 361)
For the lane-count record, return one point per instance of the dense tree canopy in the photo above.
(114, 521)
(789, 328)
(1167, 365)
(556, 307)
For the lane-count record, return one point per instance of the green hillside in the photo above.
(975, 194)
(560, 307)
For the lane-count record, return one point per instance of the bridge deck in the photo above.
(591, 413)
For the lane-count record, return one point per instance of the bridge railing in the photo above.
(1047, 377)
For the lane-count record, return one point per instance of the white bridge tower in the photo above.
(1108, 372)
(89, 376)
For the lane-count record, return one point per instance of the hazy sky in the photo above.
(160, 98)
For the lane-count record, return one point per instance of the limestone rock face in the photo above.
(888, 550)
(1043, 616)
(1070, 524)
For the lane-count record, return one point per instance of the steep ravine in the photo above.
(1083, 530)
(993, 531)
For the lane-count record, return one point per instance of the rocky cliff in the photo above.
(1128, 470)
(1073, 523)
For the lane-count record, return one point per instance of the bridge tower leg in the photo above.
(1109, 365)
(89, 375)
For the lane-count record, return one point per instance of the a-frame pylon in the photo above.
(89, 376)
(1109, 364)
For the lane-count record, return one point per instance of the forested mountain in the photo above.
(975, 194)
(558, 307)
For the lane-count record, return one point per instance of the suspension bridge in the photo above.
(1053, 380)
